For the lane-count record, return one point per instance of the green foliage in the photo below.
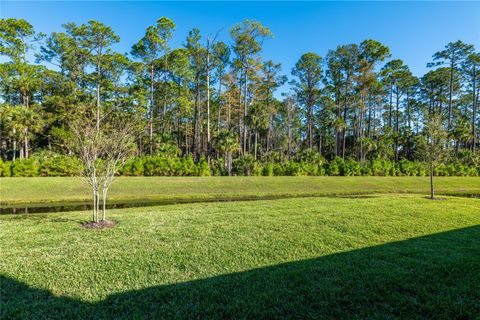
(333, 168)
(202, 168)
(268, 170)
(5, 168)
(25, 168)
(412, 168)
(164, 166)
(351, 168)
(60, 166)
(244, 165)
(53, 165)
(132, 167)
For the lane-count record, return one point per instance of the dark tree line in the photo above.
(216, 99)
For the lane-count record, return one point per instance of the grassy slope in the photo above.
(395, 256)
(39, 190)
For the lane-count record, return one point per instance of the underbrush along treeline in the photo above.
(54, 165)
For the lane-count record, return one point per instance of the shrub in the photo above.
(381, 167)
(25, 168)
(278, 169)
(333, 168)
(5, 168)
(188, 166)
(351, 168)
(292, 168)
(217, 167)
(202, 167)
(60, 166)
(244, 166)
(268, 169)
(50, 164)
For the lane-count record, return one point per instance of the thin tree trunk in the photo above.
(474, 115)
(229, 156)
(390, 107)
(98, 86)
(164, 113)
(97, 205)
(150, 116)
(310, 125)
(196, 121)
(432, 190)
(25, 144)
(208, 103)
(187, 149)
(397, 103)
(362, 107)
(21, 150)
(452, 73)
(228, 112)
(245, 106)
(219, 101)
(94, 217)
(256, 137)
(14, 145)
(345, 117)
(104, 203)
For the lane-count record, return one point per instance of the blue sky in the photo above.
(412, 30)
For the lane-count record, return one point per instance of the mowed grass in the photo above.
(384, 257)
(48, 190)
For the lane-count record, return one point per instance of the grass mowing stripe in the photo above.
(60, 190)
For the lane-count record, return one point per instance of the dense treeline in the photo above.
(211, 105)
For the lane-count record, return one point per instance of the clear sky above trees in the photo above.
(412, 30)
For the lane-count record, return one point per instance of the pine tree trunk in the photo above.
(208, 103)
(474, 115)
(452, 73)
(150, 116)
(14, 157)
(245, 106)
(25, 144)
(256, 137)
(432, 190)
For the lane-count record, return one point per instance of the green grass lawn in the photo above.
(386, 257)
(41, 190)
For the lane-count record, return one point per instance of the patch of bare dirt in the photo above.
(100, 225)
(435, 198)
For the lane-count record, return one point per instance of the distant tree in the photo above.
(308, 70)
(96, 38)
(471, 69)
(271, 79)
(248, 38)
(196, 54)
(221, 54)
(347, 56)
(180, 75)
(371, 52)
(149, 49)
(437, 136)
(20, 79)
(452, 56)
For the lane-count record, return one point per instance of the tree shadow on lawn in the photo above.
(435, 276)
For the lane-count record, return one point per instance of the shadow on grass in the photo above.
(431, 277)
